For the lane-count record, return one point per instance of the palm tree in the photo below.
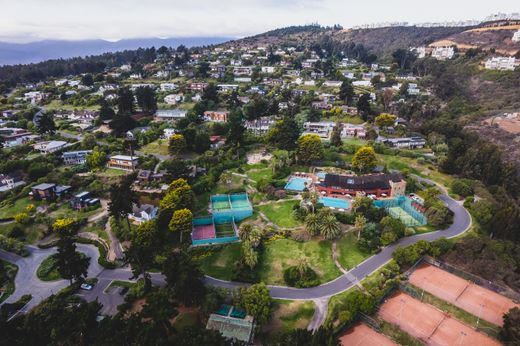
(312, 223)
(329, 227)
(301, 265)
(249, 255)
(313, 198)
(250, 233)
(360, 224)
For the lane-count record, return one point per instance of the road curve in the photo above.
(461, 223)
(26, 281)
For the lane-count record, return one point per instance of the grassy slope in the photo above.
(350, 254)
(281, 213)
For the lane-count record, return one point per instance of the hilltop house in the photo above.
(379, 185)
(83, 200)
(75, 157)
(123, 162)
(501, 63)
(48, 191)
(198, 86)
(9, 182)
(403, 143)
(322, 128)
(12, 137)
(260, 126)
(168, 86)
(443, 53)
(350, 130)
(49, 147)
(216, 116)
(173, 99)
(143, 213)
(170, 114)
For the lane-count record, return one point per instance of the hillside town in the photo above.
(254, 194)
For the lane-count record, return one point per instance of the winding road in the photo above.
(26, 281)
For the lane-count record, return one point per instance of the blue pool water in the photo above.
(334, 202)
(296, 184)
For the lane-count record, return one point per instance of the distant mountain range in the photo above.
(25, 53)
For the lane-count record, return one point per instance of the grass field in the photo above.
(159, 146)
(66, 211)
(186, 319)
(57, 104)
(47, 270)
(19, 206)
(281, 213)
(289, 315)
(122, 284)
(283, 253)
(349, 254)
(8, 287)
(220, 264)
(112, 172)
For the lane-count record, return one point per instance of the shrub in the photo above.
(462, 187)
(300, 278)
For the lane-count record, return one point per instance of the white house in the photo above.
(48, 147)
(8, 182)
(322, 128)
(143, 213)
(332, 83)
(34, 96)
(173, 99)
(516, 36)
(170, 114)
(167, 133)
(443, 53)
(501, 63)
(362, 83)
(268, 69)
(168, 86)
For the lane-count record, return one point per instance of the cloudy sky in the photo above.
(33, 20)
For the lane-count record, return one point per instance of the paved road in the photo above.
(461, 223)
(27, 282)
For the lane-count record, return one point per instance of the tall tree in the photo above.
(346, 91)
(309, 148)
(257, 301)
(125, 102)
(335, 137)
(236, 127)
(44, 123)
(184, 278)
(146, 99)
(284, 133)
(176, 144)
(363, 106)
(122, 199)
(71, 265)
(181, 222)
(364, 160)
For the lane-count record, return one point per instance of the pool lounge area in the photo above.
(297, 184)
(335, 203)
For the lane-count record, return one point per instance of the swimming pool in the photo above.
(296, 184)
(334, 202)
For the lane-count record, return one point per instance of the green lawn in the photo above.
(122, 284)
(47, 270)
(8, 287)
(186, 319)
(19, 206)
(66, 211)
(32, 232)
(281, 213)
(220, 263)
(112, 172)
(283, 253)
(58, 104)
(259, 174)
(289, 315)
(349, 254)
(159, 146)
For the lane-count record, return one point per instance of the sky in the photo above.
(35, 20)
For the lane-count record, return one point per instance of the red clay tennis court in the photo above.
(477, 300)
(203, 232)
(363, 335)
(429, 324)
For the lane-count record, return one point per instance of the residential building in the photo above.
(332, 83)
(501, 63)
(143, 213)
(362, 83)
(48, 191)
(227, 87)
(83, 200)
(351, 130)
(516, 36)
(198, 86)
(168, 86)
(75, 157)
(49, 147)
(420, 51)
(34, 96)
(167, 133)
(170, 114)
(322, 128)
(173, 99)
(443, 53)
(242, 71)
(216, 142)
(268, 69)
(260, 126)
(379, 185)
(216, 116)
(12, 137)
(9, 182)
(124, 162)
(243, 79)
(404, 143)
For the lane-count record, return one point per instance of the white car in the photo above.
(86, 287)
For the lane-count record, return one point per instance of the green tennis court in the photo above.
(399, 213)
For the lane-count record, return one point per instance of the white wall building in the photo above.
(443, 53)
(516, 36)
(501, 63)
